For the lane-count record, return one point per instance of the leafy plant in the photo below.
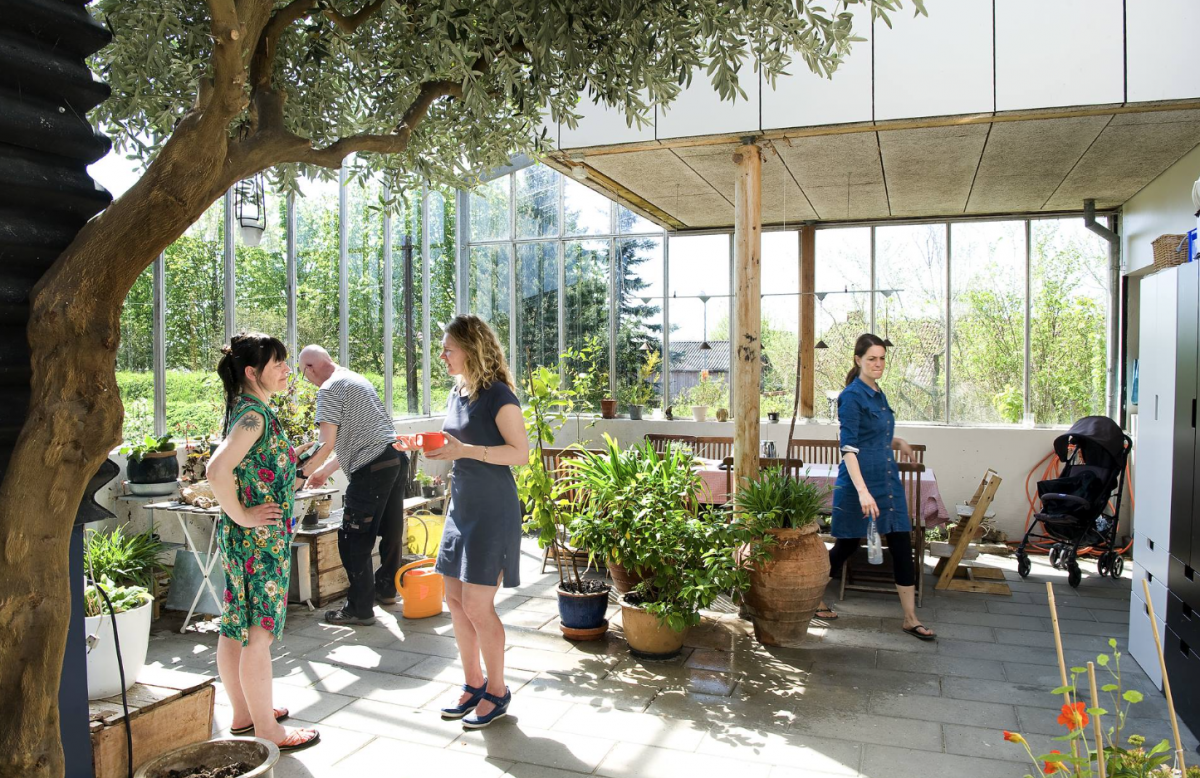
(129, 560)
(641, 391)
(296, 410)
(423, 478)
(588, 373)
(780, 501)
(123, 598)
(1120, 762)
(641, 510)
(147, 445)
(707, 392)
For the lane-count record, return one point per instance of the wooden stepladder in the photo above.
(951, 573)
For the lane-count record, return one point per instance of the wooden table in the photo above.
(182, 510)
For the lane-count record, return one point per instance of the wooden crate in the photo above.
(167, 709)
(327, 575)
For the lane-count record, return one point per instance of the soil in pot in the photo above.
(647, 638)
(786, 590)
(228, 771)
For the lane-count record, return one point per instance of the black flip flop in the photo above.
(913, 631)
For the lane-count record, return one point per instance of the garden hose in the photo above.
(1052, 470)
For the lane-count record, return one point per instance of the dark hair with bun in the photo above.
(246, 349)
(861, 347)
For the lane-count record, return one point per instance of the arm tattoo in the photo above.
(249, 422)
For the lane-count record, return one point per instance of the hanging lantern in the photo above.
(250, 209)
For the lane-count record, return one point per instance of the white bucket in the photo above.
(133, 627)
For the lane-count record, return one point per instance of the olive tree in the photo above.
(210, 92)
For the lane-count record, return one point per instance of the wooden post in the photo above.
(808, 325)
(1162, 663)
(747, 273)
(1062, 665)
(1098, 730)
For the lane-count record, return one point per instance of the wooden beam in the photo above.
(808, 313)
(747, 275)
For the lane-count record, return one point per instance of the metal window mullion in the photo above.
(949, 332)
(292, 284)
(1028, 314)
(426, 345)
(159, 330)
(462, 224)
(872, 285)
(343, 270)
(562, 287)
(389, 366)
(666, 324)
(230, 273)
(1112, 388)
(612, 317)
(512, 270)
(734, 335)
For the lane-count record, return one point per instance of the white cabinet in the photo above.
(1141, 638)
(1156, 422)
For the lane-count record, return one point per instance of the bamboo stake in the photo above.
(1091, 666)
(1162, 662)
(1062, 665)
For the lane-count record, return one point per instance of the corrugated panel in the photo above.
(46, 144)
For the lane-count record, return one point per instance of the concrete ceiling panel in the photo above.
(929, 171)
(833, 160)
(656, 175)
(858, 201)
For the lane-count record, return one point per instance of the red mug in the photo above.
(429, 441)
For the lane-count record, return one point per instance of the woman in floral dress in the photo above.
(253, 475)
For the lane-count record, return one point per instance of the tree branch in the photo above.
(350, 24)
(264, 53)
(228, 71)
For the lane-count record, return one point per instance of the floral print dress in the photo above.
(258, 560)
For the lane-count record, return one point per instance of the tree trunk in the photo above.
(74, 420)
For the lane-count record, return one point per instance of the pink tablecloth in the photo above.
(932, 508)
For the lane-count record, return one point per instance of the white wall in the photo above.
(1164, 206)
(958, 456)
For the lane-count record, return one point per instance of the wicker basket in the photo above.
(1168, 252)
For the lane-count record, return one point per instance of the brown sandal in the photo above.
(280, 715)
(296, 740)
(831, 617)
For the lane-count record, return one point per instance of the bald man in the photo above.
(358, 435)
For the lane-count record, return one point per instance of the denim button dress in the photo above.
(867, 427)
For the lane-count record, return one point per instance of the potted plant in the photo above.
(582, 602)
(426, 482)
(641, 391)
(151, 461)
(651, 523)
(128, 609)
(196, 454)
(791, 570)
(439, 486)
(588, 377)
(703, 395)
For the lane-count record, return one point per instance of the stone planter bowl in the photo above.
(215, 753)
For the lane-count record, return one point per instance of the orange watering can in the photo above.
(420, 588)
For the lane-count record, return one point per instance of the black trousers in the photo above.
(374, 507)
(899, 546)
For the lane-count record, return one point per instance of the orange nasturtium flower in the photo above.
(1013, 737)
(1074, 716)
(1054, 767)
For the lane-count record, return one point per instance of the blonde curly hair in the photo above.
(485, 358)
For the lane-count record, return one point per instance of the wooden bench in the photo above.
(167, 709)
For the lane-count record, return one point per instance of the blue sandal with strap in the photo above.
(499, 712)
(458, 711)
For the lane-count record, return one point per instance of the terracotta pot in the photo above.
(646, 637)
(608, 408)
(623, 580)
(786, 590)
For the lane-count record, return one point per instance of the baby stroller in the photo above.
(1074, 505)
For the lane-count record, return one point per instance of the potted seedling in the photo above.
(426, 482)
(641, 391)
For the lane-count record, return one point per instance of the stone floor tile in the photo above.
(570, 663)
(302, 703)
(1045, 639)
(1003, 692)
(894, 640)
(430, 644)
(528, 619)
(336, 744)
(532, 638)
(396, 689)
(825, 655)
(1041, 610)
(948, 631)
(382, 660)
(386, 757)
(997, 652)
(601, 693)
(298, 671)
(396, 721)
(521, 770)
(944, 710)
(1109, 616)
(532, 712)
(438, 625)
(1049, 678)
(791, 749)
(983, 618)
(715, 635)
(892, 762)
(449, 671)
(990, 744)
(904, 661)
(634, 760)
(537, 605)
(633, 727)
(556, 749)
(1082, 627)
(802, 697)
(296, 645)
(724, 712)
(876, 680)
(675, 677)
(869, 728)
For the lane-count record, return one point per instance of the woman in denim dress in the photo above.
(868, 483)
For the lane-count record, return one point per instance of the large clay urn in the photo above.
(786, 589)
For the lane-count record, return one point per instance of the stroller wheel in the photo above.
(1118, 566)
(1055, 555)
(1023, 565)
(1074, 575)
(1104, 564)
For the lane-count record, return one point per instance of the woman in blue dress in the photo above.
(481, 544)
(868, 483)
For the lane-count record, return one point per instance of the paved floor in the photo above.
(861, 698)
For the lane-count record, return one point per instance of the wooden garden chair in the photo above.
(715, 448)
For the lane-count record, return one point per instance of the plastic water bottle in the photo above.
(874, 545)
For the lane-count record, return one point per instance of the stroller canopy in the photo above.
(1093, 434)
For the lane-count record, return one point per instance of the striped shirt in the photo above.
(364, 428)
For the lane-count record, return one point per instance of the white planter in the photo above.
(133, 628)
(699, 412)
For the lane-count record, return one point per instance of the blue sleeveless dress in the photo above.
(482, 537)
(867, 428)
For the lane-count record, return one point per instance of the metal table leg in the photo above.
(205, 569)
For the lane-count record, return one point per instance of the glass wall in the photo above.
(135, 358)
(780, 320)
(261, 271)
(699, 305)
(365, 283)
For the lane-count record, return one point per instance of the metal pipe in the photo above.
(1089, 221)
